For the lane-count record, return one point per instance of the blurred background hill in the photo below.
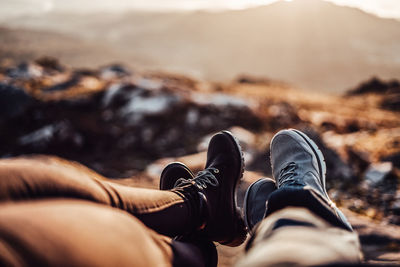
(313, 44)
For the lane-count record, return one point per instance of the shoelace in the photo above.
(201, 180)
(287, 175)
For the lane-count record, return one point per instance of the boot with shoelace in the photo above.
(212, 192)
(299, 169)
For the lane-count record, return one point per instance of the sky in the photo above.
(10, 8)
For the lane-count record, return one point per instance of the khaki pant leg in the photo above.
(39, 178)
(303, 240)
(77, 233)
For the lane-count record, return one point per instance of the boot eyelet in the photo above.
(216, 171)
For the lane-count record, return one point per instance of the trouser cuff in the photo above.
(307, 198)
(197, 203)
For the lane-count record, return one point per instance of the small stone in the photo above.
(13, 101)
(395, 207)
(114, 72)
(377, 172)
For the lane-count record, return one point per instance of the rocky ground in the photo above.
(129, 125)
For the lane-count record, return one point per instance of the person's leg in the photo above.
(24, 179)
(205, 204)
(82, 233)
(301, 225)
(298, 237)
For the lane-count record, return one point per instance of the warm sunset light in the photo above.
(212, 133)
(384, 8)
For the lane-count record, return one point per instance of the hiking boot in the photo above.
(297, 163)
(216, 185)
(172, 172)
(255, 201)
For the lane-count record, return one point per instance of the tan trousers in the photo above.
(77, 233)
(58, 213)
(296, 237)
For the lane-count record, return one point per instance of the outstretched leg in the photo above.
(298, 237)
(204, 204)
(81, 233)
(301, 225)
(23, 179)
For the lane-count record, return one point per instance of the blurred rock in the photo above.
(171, 80)
(39, 137)
(381, 190)
(138, 120)
(377, 172)
(252, 80)
(113, 72)
(150, 116)
(375, 85)
(50, 64)
(329, 121)
(389, 90)
(26, 71)
(13, 101)
(71, 82)
(219, 100)
(394, 159)
(55, 136)
(358, 160)
(395, 206)
(391, 101)
(135, 103)
(280, 115)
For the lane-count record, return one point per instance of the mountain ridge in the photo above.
(313, 44)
